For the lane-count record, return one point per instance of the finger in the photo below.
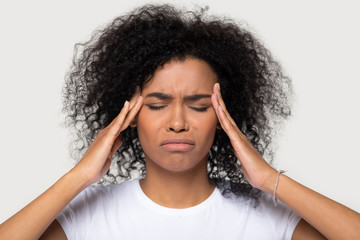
(219, 96)
(118, 140)
(221, 102)
(228, 124)
(124, 109)
(218, 110)
(217, 106)
(230, 129)
(134, 97)
(131, 104)
(224, 121)
(132, 113)
(116, 124)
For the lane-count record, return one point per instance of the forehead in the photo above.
(190, 75)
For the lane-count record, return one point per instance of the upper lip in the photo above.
(177, 141)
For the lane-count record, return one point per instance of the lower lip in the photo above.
(177, 147)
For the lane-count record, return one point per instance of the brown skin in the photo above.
(179, 179)
(322, 217)
(36, 220)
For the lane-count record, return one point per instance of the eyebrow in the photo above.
(164, 96)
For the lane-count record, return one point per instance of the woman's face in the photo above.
(177, 123)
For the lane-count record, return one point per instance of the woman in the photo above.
(195, 140)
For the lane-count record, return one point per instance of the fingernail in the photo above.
(218, 86)
(138, 99)
(217, 99)
(126, 103)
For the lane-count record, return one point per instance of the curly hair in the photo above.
(106, 70)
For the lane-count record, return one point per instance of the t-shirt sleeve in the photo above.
(76, 217)
(283, 219)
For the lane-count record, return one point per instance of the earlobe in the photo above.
(218, 126)
(133, 123)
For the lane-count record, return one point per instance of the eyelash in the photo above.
(161, 107)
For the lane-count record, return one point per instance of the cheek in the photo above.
(142, 122)
(144, 116)
(207, 120)
(147, 128)
(206, 126)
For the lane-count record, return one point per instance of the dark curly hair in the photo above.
(106, 70)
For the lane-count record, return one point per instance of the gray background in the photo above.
(317, 42)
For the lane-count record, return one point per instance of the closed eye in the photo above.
(155, 107)
(200, 109)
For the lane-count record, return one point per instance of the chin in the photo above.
(179, 169)
(178, 164)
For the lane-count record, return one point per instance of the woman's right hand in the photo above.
(97, 159)
(34, 219)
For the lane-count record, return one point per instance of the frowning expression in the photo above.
(177, 123)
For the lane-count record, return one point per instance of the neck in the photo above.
(177, 189)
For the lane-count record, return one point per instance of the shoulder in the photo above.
(281, 218)
(98, 200)
(89, 213)
(279, 221)
(112, 188)
(262, 208)
(115, 187)
(104, 194)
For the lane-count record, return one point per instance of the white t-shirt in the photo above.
(123, 211)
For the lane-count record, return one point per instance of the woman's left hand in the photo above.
(257, 171)
(318, 212)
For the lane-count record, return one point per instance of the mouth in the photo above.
(177, 145)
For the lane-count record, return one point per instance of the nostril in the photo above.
(177, 130)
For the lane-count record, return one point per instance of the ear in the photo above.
(133, 123)
(218, 126)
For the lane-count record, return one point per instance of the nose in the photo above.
(177, 121)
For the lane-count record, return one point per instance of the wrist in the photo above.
(78, 179)
(270, 182)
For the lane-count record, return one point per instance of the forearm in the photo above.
(32, 220)
(332, 219)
